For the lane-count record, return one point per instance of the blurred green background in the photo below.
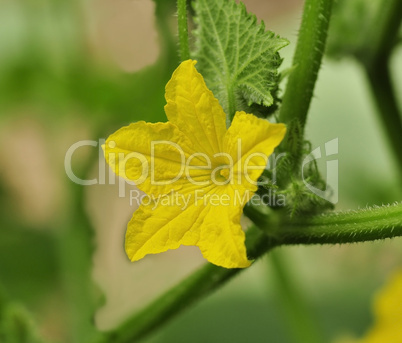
(78, 70)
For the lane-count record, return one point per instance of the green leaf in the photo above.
(237, 57)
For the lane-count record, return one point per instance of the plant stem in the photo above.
(354, 226)
(301, 321)
(382, 90)
(187, 292)
(375, 59)
(384, 33)
(307, 61)
(170, 304)
(168, 59)
(75, 248)
(183, 29)
(345, 227)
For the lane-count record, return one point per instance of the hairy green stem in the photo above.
(168, 58)
(382, 90)
(375, 58)
(170, 304)
(307, 61)
(356, 226)
(344, 227)
(75, 248)
(173, 302)
(183, 29)
(299, 317)
(384, 33)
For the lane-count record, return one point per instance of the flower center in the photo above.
(224, 173)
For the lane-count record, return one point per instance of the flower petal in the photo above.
(250, 141)
(163, 223)
(388, 313)
(192, 107)
(222, 238)
(167, 222)
(153, 157)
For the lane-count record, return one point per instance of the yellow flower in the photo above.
(388, 314)
(197, 174)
